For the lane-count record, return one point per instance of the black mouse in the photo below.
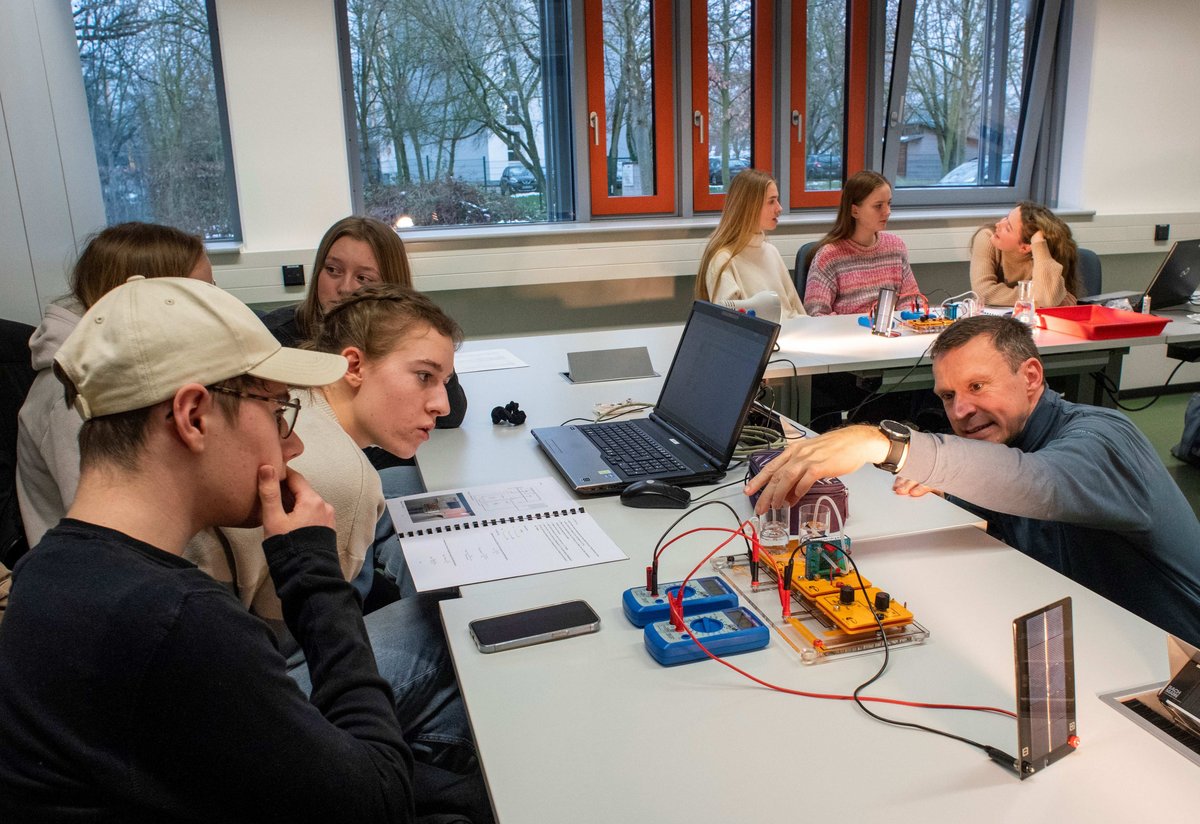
(651, 494)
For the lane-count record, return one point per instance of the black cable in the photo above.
(1111, 389)
(737, 519)
(795, 378)
(742, 481)
(874, 396)
(992, 752)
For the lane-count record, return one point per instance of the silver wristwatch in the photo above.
(898, 436)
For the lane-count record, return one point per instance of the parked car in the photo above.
(516, 178)
(966, 174)
(736, 164)
(823, 166)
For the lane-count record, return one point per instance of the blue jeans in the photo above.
(385, 552)
(412, 656)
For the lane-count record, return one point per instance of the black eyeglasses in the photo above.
(286, 412)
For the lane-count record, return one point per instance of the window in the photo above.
(969, 81)
(828, 98)
(630, 86)
(462, 111)
(455, 105)
(156, 106)
(732, 90)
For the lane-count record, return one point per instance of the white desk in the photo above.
(844, 346)
(480, 453)
(591, 729)
(818, 346)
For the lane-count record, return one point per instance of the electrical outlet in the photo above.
(293, 274)
(1162, 231)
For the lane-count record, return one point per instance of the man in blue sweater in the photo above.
(1077, 487)
(134, 687)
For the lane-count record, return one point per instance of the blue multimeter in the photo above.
(726, 632)
(700, 595)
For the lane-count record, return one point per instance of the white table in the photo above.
(833, 344)
(481, 453)
(842, 345)
(591, 729)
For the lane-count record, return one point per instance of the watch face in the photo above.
(895, 430)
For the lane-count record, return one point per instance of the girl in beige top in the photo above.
(1030, 243)
(738, 262)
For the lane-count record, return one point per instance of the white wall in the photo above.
(1131, 144)
(284, 94)
(49, 189)
(1131, 156)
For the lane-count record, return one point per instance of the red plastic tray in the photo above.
(1099, 322)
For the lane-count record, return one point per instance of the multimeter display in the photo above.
(726, 632)
(699, 595)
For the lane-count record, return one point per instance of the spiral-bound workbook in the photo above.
(486, 533)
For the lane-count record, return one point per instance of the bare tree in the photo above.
(729, 92)
(945, 73)
(825, 67)
(495, 61)
(151, 92)
(629, 87)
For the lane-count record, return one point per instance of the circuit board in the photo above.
(821, 622)
(927, 324)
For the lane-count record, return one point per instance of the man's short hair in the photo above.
(1012, 339)
(119, 438)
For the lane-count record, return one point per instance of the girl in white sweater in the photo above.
(738, 263)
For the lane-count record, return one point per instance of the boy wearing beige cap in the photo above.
(135, 687)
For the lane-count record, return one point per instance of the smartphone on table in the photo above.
(534, 626)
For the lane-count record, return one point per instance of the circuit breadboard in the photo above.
(831, 610)
(926, 324)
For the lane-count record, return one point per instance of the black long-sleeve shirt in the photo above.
(133, 687)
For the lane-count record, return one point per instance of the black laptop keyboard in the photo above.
(628, 448)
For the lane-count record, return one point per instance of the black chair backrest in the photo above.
(1089, 272)
(16, 375)
(800, 273)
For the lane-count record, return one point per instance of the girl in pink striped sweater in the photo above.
(857, 257)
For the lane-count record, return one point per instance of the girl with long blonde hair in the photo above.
(738, 262)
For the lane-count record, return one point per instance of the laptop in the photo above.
(1173, 284)
(1045, 667)
(692, 432)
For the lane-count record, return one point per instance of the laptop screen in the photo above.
(712, 381)
(1178, 276)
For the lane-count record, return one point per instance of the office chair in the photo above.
(16, 376)
(1089, 272)
(800, 274)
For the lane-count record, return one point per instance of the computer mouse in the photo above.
(651, 494)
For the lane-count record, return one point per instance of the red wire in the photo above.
(735, 533)
(838, 697)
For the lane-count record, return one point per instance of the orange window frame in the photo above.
(762, 34)
(663, 199)
(854, 131)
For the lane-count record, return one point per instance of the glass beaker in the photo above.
(774, 528)
(814, 520)
(1023, 308)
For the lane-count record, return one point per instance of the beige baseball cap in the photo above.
(143, 340)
